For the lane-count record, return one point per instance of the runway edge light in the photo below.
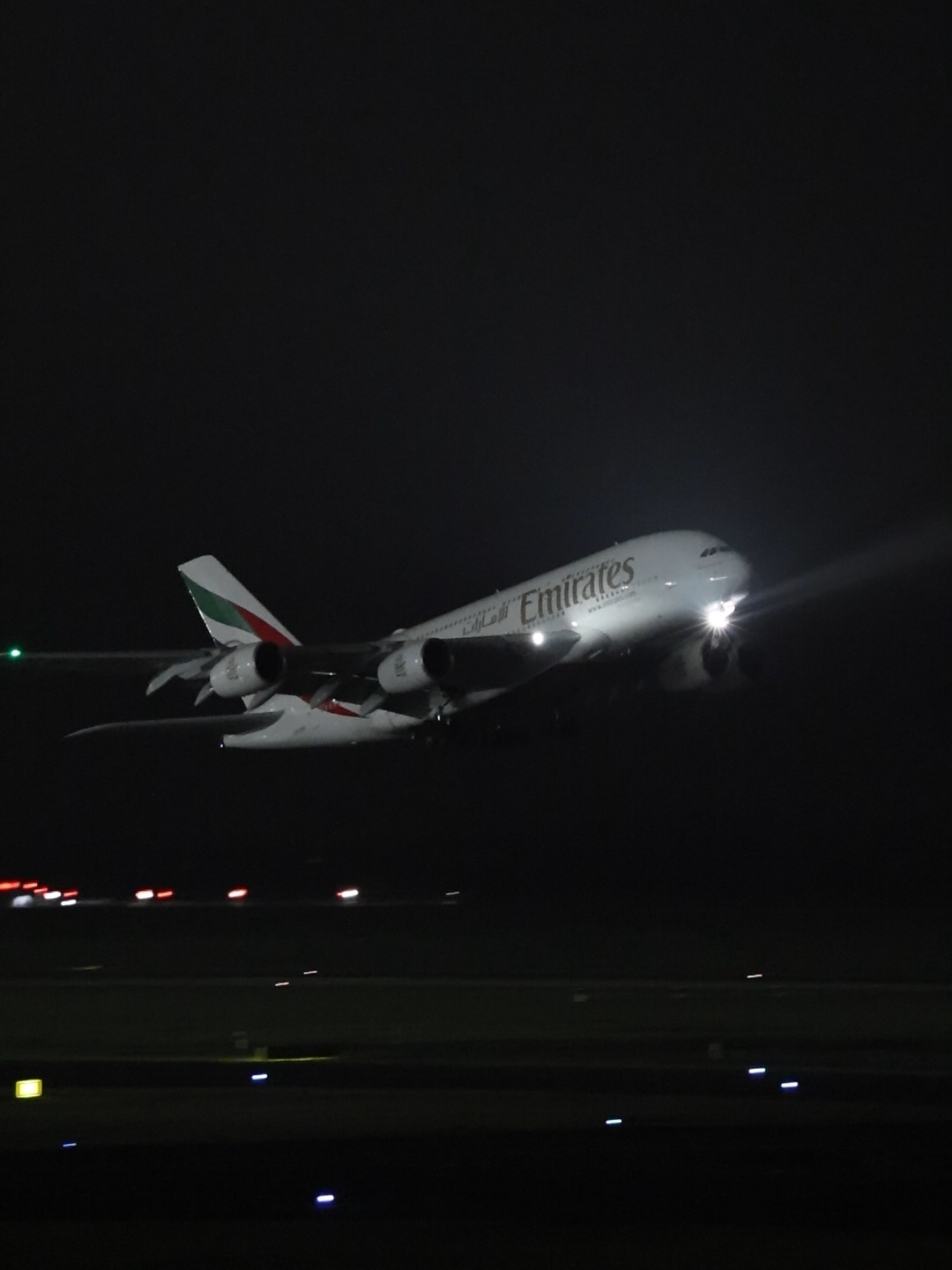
(29, 1088)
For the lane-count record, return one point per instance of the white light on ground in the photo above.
(756, 1071)
(145, 895)
(259, 1076)
(53, 895)
(29, 1088)
(68, 1144)
(614, 1120)
(282, 983)
(310, 972)
(239, 893)
(350, 894)
(325, 1198)
(789, 1084)
(538, 638)
(757, 976)
(67, 903)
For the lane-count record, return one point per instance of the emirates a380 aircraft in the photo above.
(668, 597)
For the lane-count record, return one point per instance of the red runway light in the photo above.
(9, 886)
(163, 895)
(29, 886)
(239, 893)
(69, 895)
(40, 890)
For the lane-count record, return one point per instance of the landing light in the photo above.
(718, 616)
(538, 638)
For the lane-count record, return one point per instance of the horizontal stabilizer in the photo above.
(209, 725)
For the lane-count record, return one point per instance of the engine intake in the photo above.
(247, 670)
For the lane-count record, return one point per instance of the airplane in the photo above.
(665, 602)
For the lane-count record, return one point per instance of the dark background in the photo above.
(389, 306)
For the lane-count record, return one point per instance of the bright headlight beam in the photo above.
(538, 638)
(718, 616)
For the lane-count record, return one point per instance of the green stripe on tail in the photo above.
(215, 608)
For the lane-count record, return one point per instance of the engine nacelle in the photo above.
(247, 670)
(416, 665)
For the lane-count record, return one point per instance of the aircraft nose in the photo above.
(740, 571)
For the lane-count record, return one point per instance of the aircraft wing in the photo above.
(202, 725)
(115, 663)
(195, 663)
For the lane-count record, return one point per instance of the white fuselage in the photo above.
(612, 600)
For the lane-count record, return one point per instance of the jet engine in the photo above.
(419, 664)
(473, 665)
(249, 669)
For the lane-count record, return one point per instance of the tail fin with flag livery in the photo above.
(230, 612)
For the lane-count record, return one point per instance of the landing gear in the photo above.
(716, 655)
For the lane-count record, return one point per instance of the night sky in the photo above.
(389, 306)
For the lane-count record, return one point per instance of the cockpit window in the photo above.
(712, 551)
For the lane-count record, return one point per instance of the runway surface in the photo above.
(147, 1026)
(95, 1018)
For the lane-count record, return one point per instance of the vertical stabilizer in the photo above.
(230, 612)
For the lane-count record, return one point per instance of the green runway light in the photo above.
(15, 652)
